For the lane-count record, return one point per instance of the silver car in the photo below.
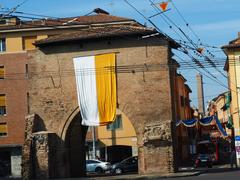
(97, 166)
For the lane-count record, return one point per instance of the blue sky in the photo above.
(216, 22)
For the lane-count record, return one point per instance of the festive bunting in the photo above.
(189, 123)
(204, 122)
(163, 6)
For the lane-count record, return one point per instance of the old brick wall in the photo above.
(145, 96)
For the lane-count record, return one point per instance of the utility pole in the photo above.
(93, 141)
(201, 107)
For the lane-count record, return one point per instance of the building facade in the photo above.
(183, 112)
(16, 38)
(232, 51)
(144, 94)
(13, 104)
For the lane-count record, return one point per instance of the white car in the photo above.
(97, 166)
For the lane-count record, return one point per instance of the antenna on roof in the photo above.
(100, 11)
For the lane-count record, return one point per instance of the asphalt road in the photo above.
(223, 175)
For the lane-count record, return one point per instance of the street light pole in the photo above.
(94, 145)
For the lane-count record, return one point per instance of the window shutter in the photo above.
(1, 72)
(2, 100)
(3, 128)
(28, 42)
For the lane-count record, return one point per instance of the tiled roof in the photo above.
(232, 44)
(97, 33)
(80, 20)
(189, 89)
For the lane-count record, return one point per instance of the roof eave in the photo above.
(48, 27)
(41, 44)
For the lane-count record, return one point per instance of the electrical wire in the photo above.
(13, 9)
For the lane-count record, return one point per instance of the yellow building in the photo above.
(118, 140)
(232, 66)
(17, 35)
(218, 106)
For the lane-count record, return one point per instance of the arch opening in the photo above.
(75, 147)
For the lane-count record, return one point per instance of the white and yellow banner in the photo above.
(96, 88)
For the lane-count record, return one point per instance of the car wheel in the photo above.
(118, 171)
(209, 166)
(98, 170)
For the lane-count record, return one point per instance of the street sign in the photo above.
(237, 146)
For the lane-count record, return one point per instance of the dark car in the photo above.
(203, 160)
(127, 165)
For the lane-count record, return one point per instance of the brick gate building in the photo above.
(144, 95)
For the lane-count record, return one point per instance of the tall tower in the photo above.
(201, 107)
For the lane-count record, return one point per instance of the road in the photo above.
(212, 175)
(224, 175)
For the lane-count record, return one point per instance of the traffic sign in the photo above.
(237, 146)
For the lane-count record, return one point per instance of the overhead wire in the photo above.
(184, 50)
(195, 47)
(155, 27)
(158, 29)
(187, 24)
(119, 69)
(13, 9)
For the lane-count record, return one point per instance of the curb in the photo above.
(125, 177)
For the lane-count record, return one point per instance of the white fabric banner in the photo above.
(86, 89)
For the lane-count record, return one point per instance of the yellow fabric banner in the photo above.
(106, 87)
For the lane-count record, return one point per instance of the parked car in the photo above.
(203, 160)
(97, 166)
(127, 165)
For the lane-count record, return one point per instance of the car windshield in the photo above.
(130, 160)
(92, 161)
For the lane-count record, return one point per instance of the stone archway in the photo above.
(75, 147)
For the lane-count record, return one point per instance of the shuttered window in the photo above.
(28, 42)
(117, 124)
(2, 72)
(3, 129)
(2, 104)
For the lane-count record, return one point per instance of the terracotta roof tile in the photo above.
(229, 46)
(80, 20)
(97, 33)
(232, 44)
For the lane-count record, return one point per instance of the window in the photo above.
(3, 21)
(3, 129)
(26, 71)
(2, 44)
(28, 103)
(187, 102)
(28, 42)
(2, 104)
(182, 100)
(116, 124)
(2, 72)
